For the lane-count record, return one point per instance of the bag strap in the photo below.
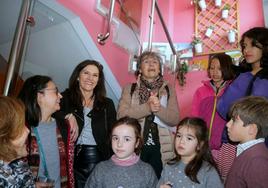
(42, 152)
(167, 90)
(133, 87)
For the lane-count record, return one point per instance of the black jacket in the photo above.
(103, 115)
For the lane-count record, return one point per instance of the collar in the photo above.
(131, 161)
(242, 147)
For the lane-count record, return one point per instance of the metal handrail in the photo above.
(165, 29)
(103, 37)
(151, 25)
(174, 54)
(17, 45)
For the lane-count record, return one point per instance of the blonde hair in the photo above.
(12, 122)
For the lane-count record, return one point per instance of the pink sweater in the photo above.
(204, 106)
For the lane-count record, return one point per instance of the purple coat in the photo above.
(238, 89)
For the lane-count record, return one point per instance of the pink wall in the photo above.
(133, 9)
(116, 57)
(179, 17)
(182, 29)
(251, 14)
(182, 16)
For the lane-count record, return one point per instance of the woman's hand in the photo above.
(154, 102)
(73, 126)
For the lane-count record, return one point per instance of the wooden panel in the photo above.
(218, 41)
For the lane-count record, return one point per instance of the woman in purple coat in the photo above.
(254, 44)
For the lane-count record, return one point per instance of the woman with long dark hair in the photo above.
(95, 113)
(50, 149)
(193, 165)
(254, 45)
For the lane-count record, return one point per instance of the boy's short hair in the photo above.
(252, 110)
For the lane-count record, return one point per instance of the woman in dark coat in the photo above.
(95, 113)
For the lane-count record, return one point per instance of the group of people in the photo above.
(77, 139)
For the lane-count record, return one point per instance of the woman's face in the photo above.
(88, 78)
(215, 71)
(251, 53)
(20, 143)
(49, 98)
(150, 68)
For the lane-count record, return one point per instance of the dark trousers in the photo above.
(85, 159)
(151, 154)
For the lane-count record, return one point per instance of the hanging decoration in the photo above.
(213, 29)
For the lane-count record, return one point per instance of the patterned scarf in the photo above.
(147, 87)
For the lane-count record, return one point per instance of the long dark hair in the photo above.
(225, 64)
(259, 35)
(99, 91)
(203, 154)
(28, 95)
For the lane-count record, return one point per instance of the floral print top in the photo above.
(16, 174)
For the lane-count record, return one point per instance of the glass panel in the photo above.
(53, 46)
(9, 13)
(128, 11)
(265, 11)
(57, 43)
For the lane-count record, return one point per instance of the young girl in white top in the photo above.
(124, 169)
(193, 165)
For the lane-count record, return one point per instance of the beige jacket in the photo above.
(129, 106)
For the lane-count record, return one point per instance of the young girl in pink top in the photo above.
(206, 97)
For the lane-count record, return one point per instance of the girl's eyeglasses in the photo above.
(56, 90)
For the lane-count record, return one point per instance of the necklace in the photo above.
(87, 103)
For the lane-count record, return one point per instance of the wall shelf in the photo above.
(218, 41)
